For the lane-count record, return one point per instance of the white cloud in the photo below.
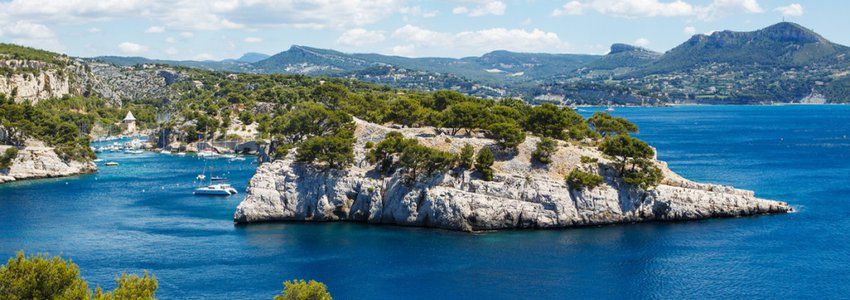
(358, 37)
(252, 40)
(204, 56)
(207, 14)
(642, 42)
(571, 8)
(171, 51)
(31, 34)
(94, 30)
(659, 8)
(481, 8)
(417, 11)
(132, 48)
(690, 30)
(476, 42)
(404, 50)
(155, 29)
(460, 10)
(792, 10)
(170, 40)
(187, 34)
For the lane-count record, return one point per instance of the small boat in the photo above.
(98, 160)
(221, 189)
(112, 164)
(238, 158)
(201, 177)
(163, 151)
(181, 153)
(207, 153)
(218, 178)
(230, 156)
(609, 109)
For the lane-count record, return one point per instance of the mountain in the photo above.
(252, 57)
(624, 56)
(782, 45)
(785, 62)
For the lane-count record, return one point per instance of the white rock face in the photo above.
(523, 195)
(45, 83)
(42, 162)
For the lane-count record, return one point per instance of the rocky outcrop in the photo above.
(34, 162)
(523, 195)
(33, 80)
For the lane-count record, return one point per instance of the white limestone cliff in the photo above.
(34, 162)
(523, 194)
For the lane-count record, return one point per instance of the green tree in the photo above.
(464, 115)
(300, 289)
(330, 94)
(44, 277)
(406, 112)
(444, 98)
(548, 120)
(579, 179)
(332, 152)
(507, 135)
(467, 156)
(606, 125)
(310, 119)
(131, 287)
(643, 174)
(624, 148)
(484, 163)
(545, 148)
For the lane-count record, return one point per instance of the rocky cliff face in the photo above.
(33, 80)
(524, 195)
(35, 162)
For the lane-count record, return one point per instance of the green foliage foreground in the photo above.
(304, 290)
(44, 277)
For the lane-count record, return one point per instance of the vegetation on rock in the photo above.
(578, 179)
(484, 163)
(545, 148)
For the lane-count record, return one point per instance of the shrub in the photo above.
(395, 151)
(464, 115)
(580, 179)
(484, 163)
(545, 148)
(507, 135)
(548, 120)
(304, 290)
(369, 145)
(131, 287)
(643, 174)
(43, 277)
(626, 148)
(467, 156)
(7, 157)
(588, 159)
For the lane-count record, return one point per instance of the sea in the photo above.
(142, 216)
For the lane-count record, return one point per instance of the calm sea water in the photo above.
(142, 216)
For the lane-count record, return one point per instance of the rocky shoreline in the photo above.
(523, 195)
(42, 162)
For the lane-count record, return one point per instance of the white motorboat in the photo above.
(181, 153)
(201, 177)
(230, 156)
(163, 151)
(112, 164)
(609, 109)
(207, 153)
(221, 189)
(134, 151)
(238, 158)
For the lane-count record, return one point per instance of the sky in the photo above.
(221, 29)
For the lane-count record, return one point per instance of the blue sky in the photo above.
(219, 29)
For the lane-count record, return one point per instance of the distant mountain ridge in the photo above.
(785, 62)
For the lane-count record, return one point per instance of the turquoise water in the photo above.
(142, 216)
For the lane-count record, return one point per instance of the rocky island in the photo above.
(523, 193)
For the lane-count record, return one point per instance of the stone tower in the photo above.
(129, 123)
